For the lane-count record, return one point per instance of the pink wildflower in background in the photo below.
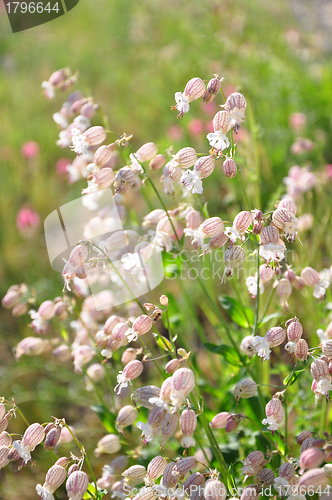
(30, 149)
(27, 222)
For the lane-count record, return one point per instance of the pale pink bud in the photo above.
(183, 382)
(169, 479)
(212, 90)
(33, 436)
(219, 421)
(287, 471)
(194, 89)
(126, 416)
(188, 422)
(124, 178)
(249, 493)
(135, 474)
(310, 276)
(157, 162)
(319, 443)
(60, 310)
(104, 177)
(302, 348)
(307, 443)
(11, 299)
(204, 166)
(5, 439)
(168, 427)
(327, 348)
(19, 310)
(108, 444)
(312, 480)
(133, 369)
(242, 222)
(62, 353)
(76, 485)
(2, 411)
(195, 479)
(265, 273)
(273, 408)
(253, 463)
(129, 354)
(142, 396)
(163, 300)
(153, 217)
(218, 241)
(102, 155)
(172, 366)
(298, 283)
(319, 370)
(46, 309)
(284, 290)
(230, 168)
(147, 151)
(111, 323)
(185, 465)
(164, 225)
(193, 219)
(214, 490)
(96, 372)
(57, 78)
(233, 421)
(304, 435)
(275, 336)
(211, 227)
(88, 110)
(142, 324)
(290, 275)
(294, 331)
(269, 235)
(52, 438)
(221, 122)
(245, 389)
(266, 476)
(289, 204)
(73, 468)
(186, 157)
(4, 452)
(156, 467)
(95, 136)
(119, 333)
(55, 476)
(311, 458)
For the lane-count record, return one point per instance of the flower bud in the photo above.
(233, 421)
(163, 300)
(168, 427)
(102, 155)
(129, 354)
(186, 157)
(126, 416)
(133, 369)
(327, 348)
(95, 135)
(235, 101)
(184, 465)
(172, 366)
(287, 471)
(188, 422)
(211, 227)
(11, 299)
(319, 443)
(46, 309)
(294, 331)
(266, 476)
(230, 168)
(96, 372)
(313, 479)
(245, 389)
(194, 89)
(194, 480)
(269, 235)
(289, 204)
(311, 458)
(284, 220)
(4, 452)
(319, 370)
(214, 490)
(19, 310)
(212, 90)
(156, 468)
(3, 424)
(242, 221)
(253, 463)
(135, 474)
(55, 476)
(193, 219)
(108, 444)
(169, 479)
(220, 420)
(284, 290)
(307, 443)
(310, 276)
(157, 162)
(147, 151)
(221, 122)
(273, 407)
(290, 275)
(302, 349)
(298, 283)
(76, 485)
(164, 225)
(275, 336)
(73, 468)
(304, 435)
(249, 493)
(142, 324)
(62, 353)
(88, 110)
(104, 177)
(204, 166)
(142, 396)
(183, 382)
(52, 438)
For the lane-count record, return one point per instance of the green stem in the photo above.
(267, 305)
(254, 331)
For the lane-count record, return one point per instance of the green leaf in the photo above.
(269, 318)
(164, 343)
(106, 417)
(92, 493)
(290, 379)
(229, 353)
(242, 316)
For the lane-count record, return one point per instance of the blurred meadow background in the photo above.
(132, 56)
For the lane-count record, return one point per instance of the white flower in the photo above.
(48, 90)
(131, 335)
(159, 402)
(192, 181)
(272, 252)
(261, 347)
(131, 262)
(320, 289)
(182, 103)
(272, 421)
(296, 496)
(187, 442)
(232, 234)
(291, 347)
(135, 164)
(82, 122)
(80, 145)
(44, 493)
(197, 237)
(60, 120)
(252, 285)
(24, 451)
(280, 484)
(161, 241)
(92, 187)
(64, 139)
(323, 387)
(168, 184)
(122, 382)
(107, 353)
(147, 431)
(218, 140)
